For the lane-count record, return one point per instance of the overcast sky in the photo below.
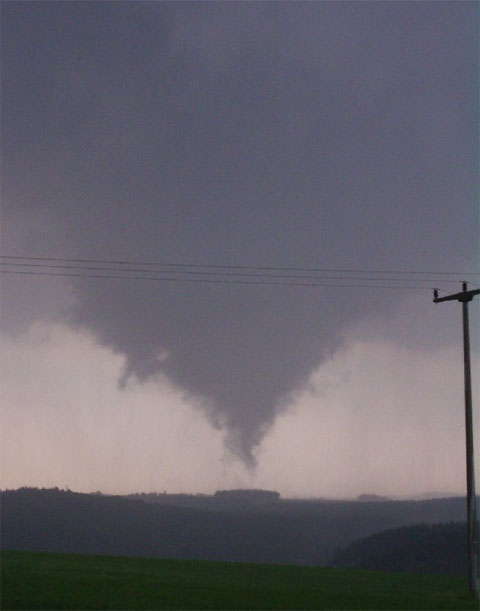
(302, 174)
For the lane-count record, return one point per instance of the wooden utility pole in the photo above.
(473, 559)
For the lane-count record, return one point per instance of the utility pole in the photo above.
(473, 559)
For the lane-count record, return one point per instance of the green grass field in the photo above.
(32, 580)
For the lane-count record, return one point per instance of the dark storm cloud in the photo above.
(315, 134)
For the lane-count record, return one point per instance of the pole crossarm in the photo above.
(464, 296)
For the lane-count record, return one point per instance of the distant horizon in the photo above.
(421, 496)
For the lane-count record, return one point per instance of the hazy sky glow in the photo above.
(329, 135)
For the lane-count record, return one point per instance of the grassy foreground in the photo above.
(33, 580)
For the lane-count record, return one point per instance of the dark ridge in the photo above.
(422, 548)
(285, 532)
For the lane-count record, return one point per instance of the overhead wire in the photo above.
(205, 272)
(240, 267)
(224, 274)
(214, 280)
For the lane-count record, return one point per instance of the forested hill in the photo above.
(422, 548)
(274, 531)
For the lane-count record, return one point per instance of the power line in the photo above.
(224, 274)
(214, 280)
(197, 272)
(239, 267)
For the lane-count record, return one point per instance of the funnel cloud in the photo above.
(339, 136)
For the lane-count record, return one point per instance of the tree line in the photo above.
(284, 531)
